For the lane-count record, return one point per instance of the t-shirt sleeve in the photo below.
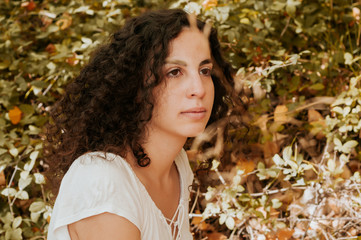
(95, 185)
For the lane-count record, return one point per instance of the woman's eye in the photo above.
(174, 73)
(206, 71)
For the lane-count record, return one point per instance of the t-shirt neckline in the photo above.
(176, 161)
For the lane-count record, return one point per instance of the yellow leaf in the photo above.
(65, 21)
(2, 178)
(280, 114)
(198, 221)
(314, 115)
(270, 149)
(285, 234)
(245, 165)
(15, 115)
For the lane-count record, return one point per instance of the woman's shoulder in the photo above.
(98, 164)
(95, 183)
(98, 173)
(90, 159)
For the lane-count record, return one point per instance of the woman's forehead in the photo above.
(189, 38)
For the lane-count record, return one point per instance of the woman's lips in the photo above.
(195, 113)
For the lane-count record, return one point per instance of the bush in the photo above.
(286, 168)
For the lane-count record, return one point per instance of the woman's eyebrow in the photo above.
(180, 62)
(204, 62)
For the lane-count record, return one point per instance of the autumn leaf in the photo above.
(72, 60)
(30, 5)
(198, 221)
(270, 149)
(314, 115)
(2, 178)
(50, 48)
(280, 114)
(317, 122)
(285, 234)
(65, 21)
(15, 115)
(245, 165)
(46, 21)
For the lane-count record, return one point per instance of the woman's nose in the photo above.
(196, 87)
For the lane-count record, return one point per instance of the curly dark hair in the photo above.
(106, 108)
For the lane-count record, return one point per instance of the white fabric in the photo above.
(97, 182)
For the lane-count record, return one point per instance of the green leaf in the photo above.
(23, 183)
(276, 203)
(222, 218)
(14, 151)
(39, 178)
(4, 65)
(37, 207)
(230, 223)
(331, 165)
(215, 164)
(8, 192)
(300, 182)
(23, 195)
(278, 6)
(34, 216)
(278, 160)
(348, 58)
(27, 109)
(317, 86)
(15, 234)
(287, 153)
(350, 144)
(337, 142)
(30, 164)
(17, 221)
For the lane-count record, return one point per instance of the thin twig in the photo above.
(269, 192)
(220, 177)
(285, 28)
(329, 219)
(195, 201)
(9, 184)
(312, 217)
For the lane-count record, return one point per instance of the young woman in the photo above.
(118, 133)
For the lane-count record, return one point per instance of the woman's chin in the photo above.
(195, 132)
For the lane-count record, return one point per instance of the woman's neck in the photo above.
(162, 150)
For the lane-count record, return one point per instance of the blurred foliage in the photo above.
(288, 168)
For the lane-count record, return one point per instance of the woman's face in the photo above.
(184, 100)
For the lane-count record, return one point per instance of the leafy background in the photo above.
(288, 167)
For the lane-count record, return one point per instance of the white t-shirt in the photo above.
(97, 182)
